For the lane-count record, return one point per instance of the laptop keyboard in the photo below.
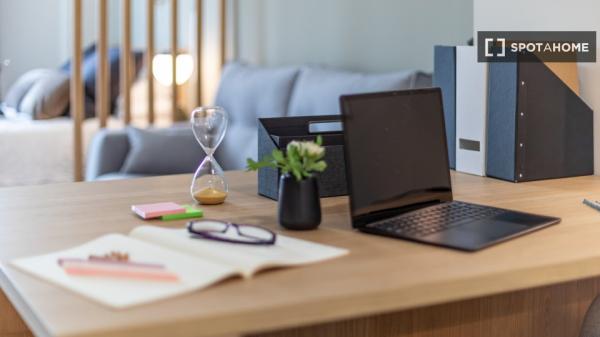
(434, 219)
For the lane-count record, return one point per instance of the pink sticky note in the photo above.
(149, 211)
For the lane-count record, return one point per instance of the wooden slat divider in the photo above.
(199, 41)
(102, 80)
(223, 24)
(77, 92)
(174, 19)
(126, 61)
(149, 58)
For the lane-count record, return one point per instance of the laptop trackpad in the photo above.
(477, 234)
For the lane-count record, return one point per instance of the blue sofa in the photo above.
(247, 93)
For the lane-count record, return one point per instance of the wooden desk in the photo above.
(537, 285)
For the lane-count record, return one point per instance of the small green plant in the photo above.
(301, 159)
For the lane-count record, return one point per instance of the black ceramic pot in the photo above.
(299, 205)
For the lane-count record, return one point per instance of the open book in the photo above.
(197, 263)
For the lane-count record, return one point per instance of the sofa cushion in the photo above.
(48, 97)
(19, 89)
(423, 80)
(318, 89)
(162, 151)
(106, 153)
(119, 176)
(248, 93)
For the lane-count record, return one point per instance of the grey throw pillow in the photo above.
(17, 90)
(162, 151)
(318, 90)
(48, 97)
(248, 93)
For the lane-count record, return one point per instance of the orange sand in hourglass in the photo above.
(210, 196)
(209, 189)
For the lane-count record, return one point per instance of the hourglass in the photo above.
(209, 125)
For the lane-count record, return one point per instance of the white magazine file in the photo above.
(471, 111)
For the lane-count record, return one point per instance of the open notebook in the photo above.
(197, 263)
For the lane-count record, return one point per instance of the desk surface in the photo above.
(379, 275)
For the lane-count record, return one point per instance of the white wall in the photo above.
(372, 35)
(30, 39)
(37, 34)
(550, 15)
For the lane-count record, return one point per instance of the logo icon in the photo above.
(490, 46)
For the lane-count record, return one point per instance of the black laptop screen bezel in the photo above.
(359, 219)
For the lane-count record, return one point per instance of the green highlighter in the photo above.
(190, 212)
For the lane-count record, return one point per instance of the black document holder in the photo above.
(538, 128)
(277, 133)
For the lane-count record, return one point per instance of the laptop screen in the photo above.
(395, 148)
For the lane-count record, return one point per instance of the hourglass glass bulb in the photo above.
(209, 125)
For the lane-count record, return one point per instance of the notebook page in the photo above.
(247, 259)
(120, 293)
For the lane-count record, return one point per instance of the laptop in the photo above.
(399, 177)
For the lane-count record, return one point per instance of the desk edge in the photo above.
(21, 306)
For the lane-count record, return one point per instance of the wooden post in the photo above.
(198, 65)
(223, 23)
(102, 80)
(149, 58)
(125, 72)
(174, 60)
(77, 92)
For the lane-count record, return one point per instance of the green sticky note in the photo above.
(190, 212)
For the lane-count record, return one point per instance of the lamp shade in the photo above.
(162, 68)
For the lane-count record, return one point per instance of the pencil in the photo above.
(593, 204)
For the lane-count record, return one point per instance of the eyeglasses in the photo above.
(229, 232)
